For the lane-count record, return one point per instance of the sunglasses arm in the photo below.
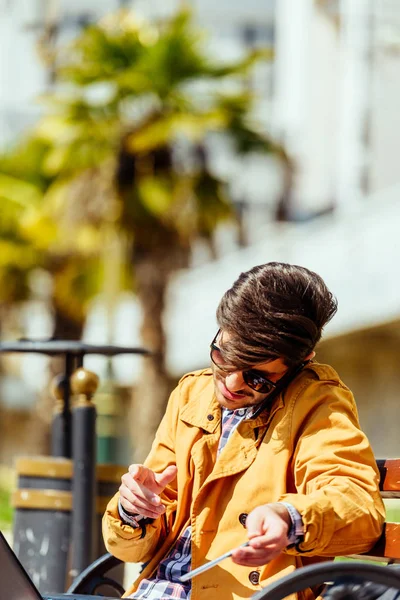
(280, 386)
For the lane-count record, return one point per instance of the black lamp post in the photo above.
(74, 431)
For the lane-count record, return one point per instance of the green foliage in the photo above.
(103, 155)
(392, 506)
(6, 486)
(6, 511)
(140, 58)
(25, 162)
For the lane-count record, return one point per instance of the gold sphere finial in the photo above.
(84, 382)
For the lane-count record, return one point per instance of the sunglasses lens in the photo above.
(216, 356)
(257, 382)
(254, 380)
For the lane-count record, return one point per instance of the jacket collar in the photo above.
(204, 411)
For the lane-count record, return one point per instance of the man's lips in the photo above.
(228, 394)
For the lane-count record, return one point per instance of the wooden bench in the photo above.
(387, 549)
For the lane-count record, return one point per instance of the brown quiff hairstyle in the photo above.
(274, 310)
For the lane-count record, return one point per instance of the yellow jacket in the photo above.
(307, 450)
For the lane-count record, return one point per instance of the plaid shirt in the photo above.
(165, 584)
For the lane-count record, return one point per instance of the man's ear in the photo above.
(310, 356)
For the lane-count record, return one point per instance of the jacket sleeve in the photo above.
(333, 472)
(125, 542)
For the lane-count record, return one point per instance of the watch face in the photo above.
(131, 520)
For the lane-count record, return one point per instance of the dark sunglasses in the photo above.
(253, 378)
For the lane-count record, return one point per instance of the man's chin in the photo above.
(243, 401)
(233, 404)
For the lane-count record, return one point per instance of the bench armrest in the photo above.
(95, 575)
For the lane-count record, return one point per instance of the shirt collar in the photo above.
(207, 415)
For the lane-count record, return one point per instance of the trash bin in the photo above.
(43, 515)
(108, 479)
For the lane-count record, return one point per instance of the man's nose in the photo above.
(234, 381)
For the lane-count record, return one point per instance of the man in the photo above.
(264, 446)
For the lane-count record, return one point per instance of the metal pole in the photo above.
(84, 384)
(58, 442)
(61, 425)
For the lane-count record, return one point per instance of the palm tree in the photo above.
(32, 239)
(126, 139)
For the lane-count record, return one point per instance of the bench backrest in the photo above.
(388, 547)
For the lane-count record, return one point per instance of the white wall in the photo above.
(357, 257)
(22, 78)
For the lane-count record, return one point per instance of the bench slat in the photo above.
(389, 470)
(392, 540)
(388, 546)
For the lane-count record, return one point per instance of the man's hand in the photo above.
(267, 527)
(140, 489)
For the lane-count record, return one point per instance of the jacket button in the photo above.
(210, 417)
(254, 577)
(242, 518)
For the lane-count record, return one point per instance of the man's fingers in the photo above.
(164, 478)
(139, 499)
(255, 523)
(267, 523)
(141, 508)
(274, 534)
(135, 490)
(139, 472)
(155, 482)
(135, 501)
(143, 512)
(267, 528)
(249, 557)
(141, 488)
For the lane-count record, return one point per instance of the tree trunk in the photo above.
(153, 387)
(284, 208)
(66, 328)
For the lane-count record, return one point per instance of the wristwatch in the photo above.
(128, 518)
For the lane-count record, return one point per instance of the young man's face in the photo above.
(231, 390)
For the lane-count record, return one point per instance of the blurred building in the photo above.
(330, 96)
(334, 98)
